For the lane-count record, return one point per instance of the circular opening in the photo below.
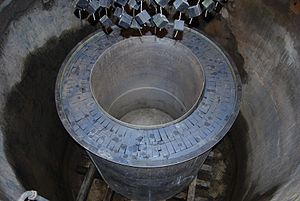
(147, 82)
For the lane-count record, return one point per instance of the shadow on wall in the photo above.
(35, 140)
(238, 137)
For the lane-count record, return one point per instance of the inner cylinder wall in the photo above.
(140, 74)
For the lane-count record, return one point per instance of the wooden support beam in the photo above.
(86, 184)
(192, 190)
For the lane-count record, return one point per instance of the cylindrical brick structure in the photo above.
(148, 110)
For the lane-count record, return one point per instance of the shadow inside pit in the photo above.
(238, 136)
(35, 140)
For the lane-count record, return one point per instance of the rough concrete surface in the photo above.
(267, 35)
(21, 39)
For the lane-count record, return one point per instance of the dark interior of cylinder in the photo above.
(144, 81)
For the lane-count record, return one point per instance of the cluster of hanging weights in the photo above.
(138, 14)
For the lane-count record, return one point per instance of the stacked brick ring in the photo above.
(148, 163)
(178, 142)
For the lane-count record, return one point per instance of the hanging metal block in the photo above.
(105, 21)
(181, 5)
(92, 6)
(150, 23)
(90, 9)
(194, 11)
(125, 20)
(121, 2)
(105, 3)
(95, 4)
(209, 5)
(133, 4)
(134, 24)
(162, 3)
(143, 17)
(160, 20)
(118, 12)
(179, 25)
(82, 4)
